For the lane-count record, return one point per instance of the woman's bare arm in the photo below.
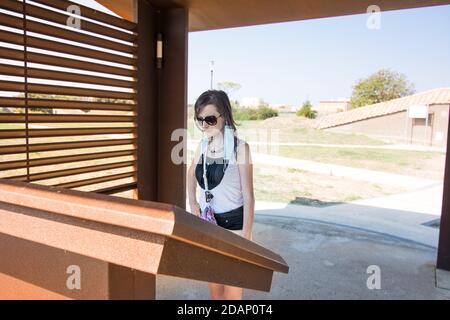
(192, 183)
(245, 165)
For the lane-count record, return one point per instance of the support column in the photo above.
(147, 103)
(443, 259)
(173, 106)
(162, 104)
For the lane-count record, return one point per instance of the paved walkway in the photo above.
(329, 261)
(330, 248)
(379, 177)
(409, 147)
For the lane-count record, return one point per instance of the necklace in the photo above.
(216, 150)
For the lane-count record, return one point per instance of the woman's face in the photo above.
(211, 130)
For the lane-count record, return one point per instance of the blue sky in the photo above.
(321, 59)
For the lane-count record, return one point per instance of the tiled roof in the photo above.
(435, 96)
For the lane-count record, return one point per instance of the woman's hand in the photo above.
(195, 209)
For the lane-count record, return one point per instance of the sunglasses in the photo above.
(210, 120)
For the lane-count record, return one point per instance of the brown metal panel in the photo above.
(48, 118)
(11, 117)
(12, 102)
(73, 104)
(11, 5)
(147, 115)
(79, 51)
(443, 258)
(78, 37)
(64, 76)
(117, 189)
(92, 14)
(29, 270)
(86, 182)
(11, 86)
(18, 164)
(78, 145)
(126, 284)
(11, 37)
(8, 53)
(75, 77)
(4, 150)
(11, 21)
(76, 64)
(180, 259)
(11, 70)
(41, 147)
(73, 171)
(85, 25)
(173, 105)
(184, 229)
(42, 206)
(54, 132)
(72, 91)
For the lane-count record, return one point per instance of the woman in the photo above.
(230, 181)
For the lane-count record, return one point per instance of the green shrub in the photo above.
(261, 113)
(305, 111)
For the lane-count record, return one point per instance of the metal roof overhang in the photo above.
(213, 14)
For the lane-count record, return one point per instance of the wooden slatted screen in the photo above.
(67, 96)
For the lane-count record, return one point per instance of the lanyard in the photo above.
(208, 195)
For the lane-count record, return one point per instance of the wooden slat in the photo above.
(81, 105)
(19, 164)
(117, 189)
(11, 21)
(11, 37)
(57, 17)
(82, 183)
(11, 86)
(60, 47)
(64, 146)
(76, 77)
(62, 118)
(74, 171)
(10, 70)
(11, 102)
(72, 91)
(11, 5)
(54, 132)
(8, 53)
(77, 64)
(41, 28)
(92, 14)
(12, 149)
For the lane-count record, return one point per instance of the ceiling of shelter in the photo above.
(215, 14)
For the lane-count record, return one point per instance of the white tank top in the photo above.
(227, 195)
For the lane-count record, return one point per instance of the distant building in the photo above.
(282, 107)
(332, 106)
(420, 118)
(251, 102)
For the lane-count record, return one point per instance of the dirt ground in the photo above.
(273, 183)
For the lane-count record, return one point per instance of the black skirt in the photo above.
(231, 220)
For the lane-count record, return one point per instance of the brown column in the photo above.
(162, 103)
(443, 259)
(147, 115)
(173, 105)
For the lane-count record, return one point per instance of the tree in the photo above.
(306, 111)
(228, 86)
(381, 86)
